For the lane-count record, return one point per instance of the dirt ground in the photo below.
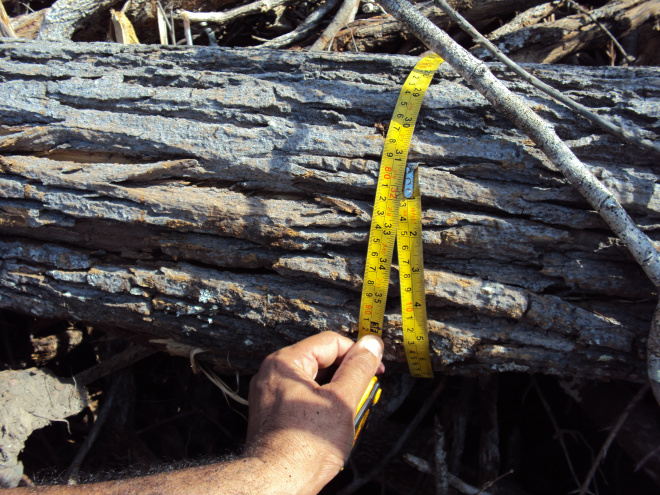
(510, 433)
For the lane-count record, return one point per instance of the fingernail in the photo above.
(373, 344)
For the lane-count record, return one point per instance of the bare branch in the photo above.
(454, 481)
(558, 430)
(359, 482)
(441, 468)
(345, 15)
(579, 7)
(528, 18)
(233, 14)
(303, 29)
(610, 438)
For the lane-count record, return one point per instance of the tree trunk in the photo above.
(221, 199)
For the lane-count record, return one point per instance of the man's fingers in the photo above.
(358, 368)
(319, 351)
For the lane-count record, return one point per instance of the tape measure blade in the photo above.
(385, 216)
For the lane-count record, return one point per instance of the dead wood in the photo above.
(65, 16)
(552, 41)
(221, 199)
(376, 33)
(27, 26)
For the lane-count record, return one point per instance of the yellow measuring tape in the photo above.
(397, 213)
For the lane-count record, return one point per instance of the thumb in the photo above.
(358, 368)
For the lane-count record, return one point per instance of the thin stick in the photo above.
(115, 363)
(525, 19)
(215, 379)
(71, 474)
(489, 441)
(625, 135)
(162, 23)
(454, 481)
(579, 7)
(359, 482)
(303, 29)
(172, 33)
(345, 15)
(186, 29)
(558, 432)
(610, 438)
(233, 14)
(646, 458)
(441, 468)
(514, 108)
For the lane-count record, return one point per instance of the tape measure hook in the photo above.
(409, 180)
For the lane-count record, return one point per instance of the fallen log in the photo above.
(220, 199)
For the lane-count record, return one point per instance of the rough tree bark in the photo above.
(221, 199)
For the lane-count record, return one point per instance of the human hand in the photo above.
(305, 430)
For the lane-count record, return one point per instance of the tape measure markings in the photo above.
(385, 223)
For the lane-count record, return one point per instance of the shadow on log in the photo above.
(221, 199)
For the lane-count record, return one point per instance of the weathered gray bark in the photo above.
(221, 199)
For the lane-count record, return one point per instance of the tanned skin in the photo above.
(300, 433)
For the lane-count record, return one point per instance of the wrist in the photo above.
(290, 466)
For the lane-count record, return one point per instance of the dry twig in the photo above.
(186, 29)
(489, 441)
(610, 438)
(454, 481)
(345, 15)
(71, 474)
(514, 108)
(163, 24)
(528, 18)
(579, 7)
(623, 134)
(115, 363)
(441, 468)
(303, 29)
(233, 14)
(558, 431)
(359, 482)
